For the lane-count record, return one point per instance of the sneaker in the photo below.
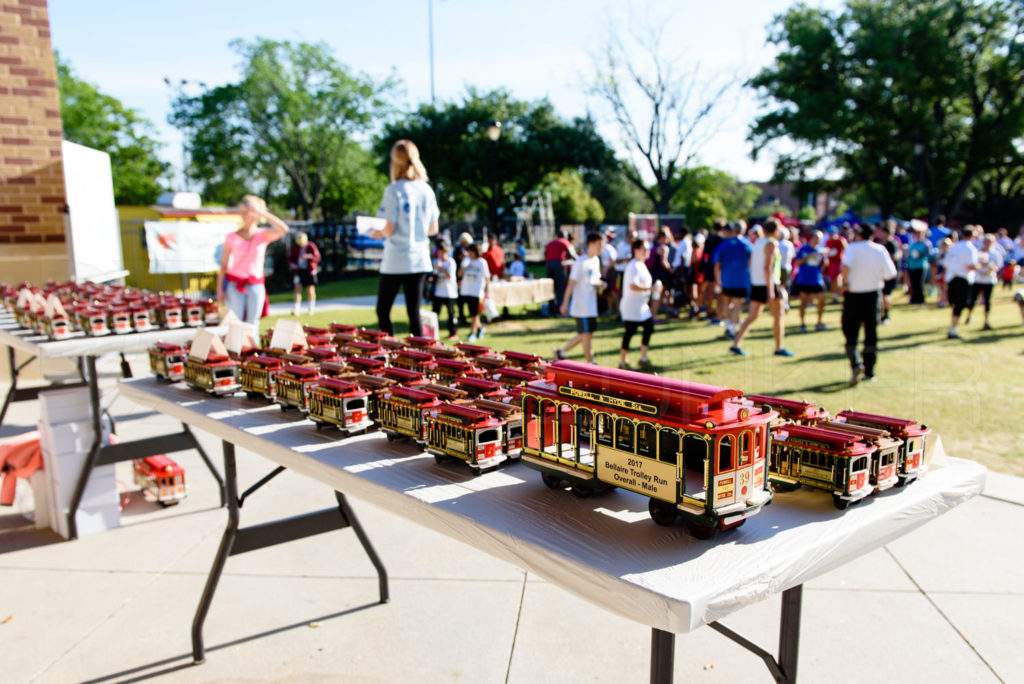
(820, 327)
(784, 352)
(730, 334)
(295, 312)
(737, 351)
(561, 355)
(625, 366)
(953, 334)
(312, 309)
(986, 327)
(471, 338)
(645, 364)
(480, 335)
(803, 328)
(855, 376)
(885, 321)
(714, 321)
(869, 378)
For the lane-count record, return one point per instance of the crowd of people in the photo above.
(709, 274)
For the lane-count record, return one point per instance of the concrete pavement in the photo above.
(942, 604)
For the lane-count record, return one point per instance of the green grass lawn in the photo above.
(350, 287)
(971, 392)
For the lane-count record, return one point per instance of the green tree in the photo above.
(711, 193)
(470, 171)
(288, 122)
(617, 195)
(905, 97)
(665, 116)
(571, 199)
(100, 121)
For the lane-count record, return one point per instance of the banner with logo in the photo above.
(185, 246)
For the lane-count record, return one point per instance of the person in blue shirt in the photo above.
(731, 261)
(918, 253)
(811, 259)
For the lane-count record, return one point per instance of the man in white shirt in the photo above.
(960, 263)
(580, 300)
(865, 268)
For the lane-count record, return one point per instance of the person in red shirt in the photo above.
(556, 254)
(304, 262)
(835, 246)
(494, 255)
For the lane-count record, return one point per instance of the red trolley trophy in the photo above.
(194, 313)
(450, 370)
(120, 318)
(404, 376)
(415, 359)
(480, 388)
(367, 350)
(403, 412)
(256, 375)
(167, 361)
(141, 315)
(467, 433)
(292, 385)
(838, 462)
(169, 315)
(882, 473)
(340, 403)
(599, 428)
(472, 351)
(160, 478)
(366, 366)
(911, 461)
(216, 374)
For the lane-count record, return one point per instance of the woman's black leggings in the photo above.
(631, 328)
(979, 290)
(411, 285)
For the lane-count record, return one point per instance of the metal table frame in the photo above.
(99, 453)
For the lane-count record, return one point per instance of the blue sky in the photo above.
(534, 48)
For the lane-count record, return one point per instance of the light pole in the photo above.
(180, 87)
(493, 133)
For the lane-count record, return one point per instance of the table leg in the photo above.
(789, 631)
(237, 541)
(223, 551)
(663, 647)
(209, 464)
(94, 450)
(14, 383)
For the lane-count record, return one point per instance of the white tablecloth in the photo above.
(604, 549)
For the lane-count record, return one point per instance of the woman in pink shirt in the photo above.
(240, 280)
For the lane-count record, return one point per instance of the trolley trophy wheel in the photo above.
(391, 437)
(662, 512)
(840, 503)
(552, 481)
(701, 531)
(580, 491)
(439, 458)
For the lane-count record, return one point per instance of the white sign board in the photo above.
(186, 246)
(92, 231)
(287, 334)
(206, 343)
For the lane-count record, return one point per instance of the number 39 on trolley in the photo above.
(693, 449)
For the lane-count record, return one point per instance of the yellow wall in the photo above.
(136, 257)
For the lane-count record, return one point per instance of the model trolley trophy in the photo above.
(209, 368)
(160, 478)
(598, 428)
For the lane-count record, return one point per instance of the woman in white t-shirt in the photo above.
(634, 306)
(410, 210)
(446, 289)
(476, 283)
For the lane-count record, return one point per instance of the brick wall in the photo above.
(31, 174)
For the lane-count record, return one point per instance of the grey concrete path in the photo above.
(943, 604)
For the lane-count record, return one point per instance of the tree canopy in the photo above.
(470, 172)
(100, 121)
(910, 99)
(710, 193)
(286, 128)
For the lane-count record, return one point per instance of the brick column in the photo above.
(32, 195)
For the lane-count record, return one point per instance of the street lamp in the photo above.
(493, 133)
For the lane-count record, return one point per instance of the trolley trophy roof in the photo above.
(339, 386)
(404, 376)
(421, 341)
(371, 335)
(640, 393)
(479, 386)
(416, 355)
(409, 395)
(468, 415)
(831, 440)
(300, 372)
(791, 409)
(443, 391)
(334, 368)
(472, 349)
(342, 328)
(320, 340)
(522, 358)
(163, 465)
(365, 365)
(312, 330)
(263, 361)
(456, 366)
(364, 348)
(321, 354)
(898, 427)
(391, 344)
(516, 375)
(498, 408)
